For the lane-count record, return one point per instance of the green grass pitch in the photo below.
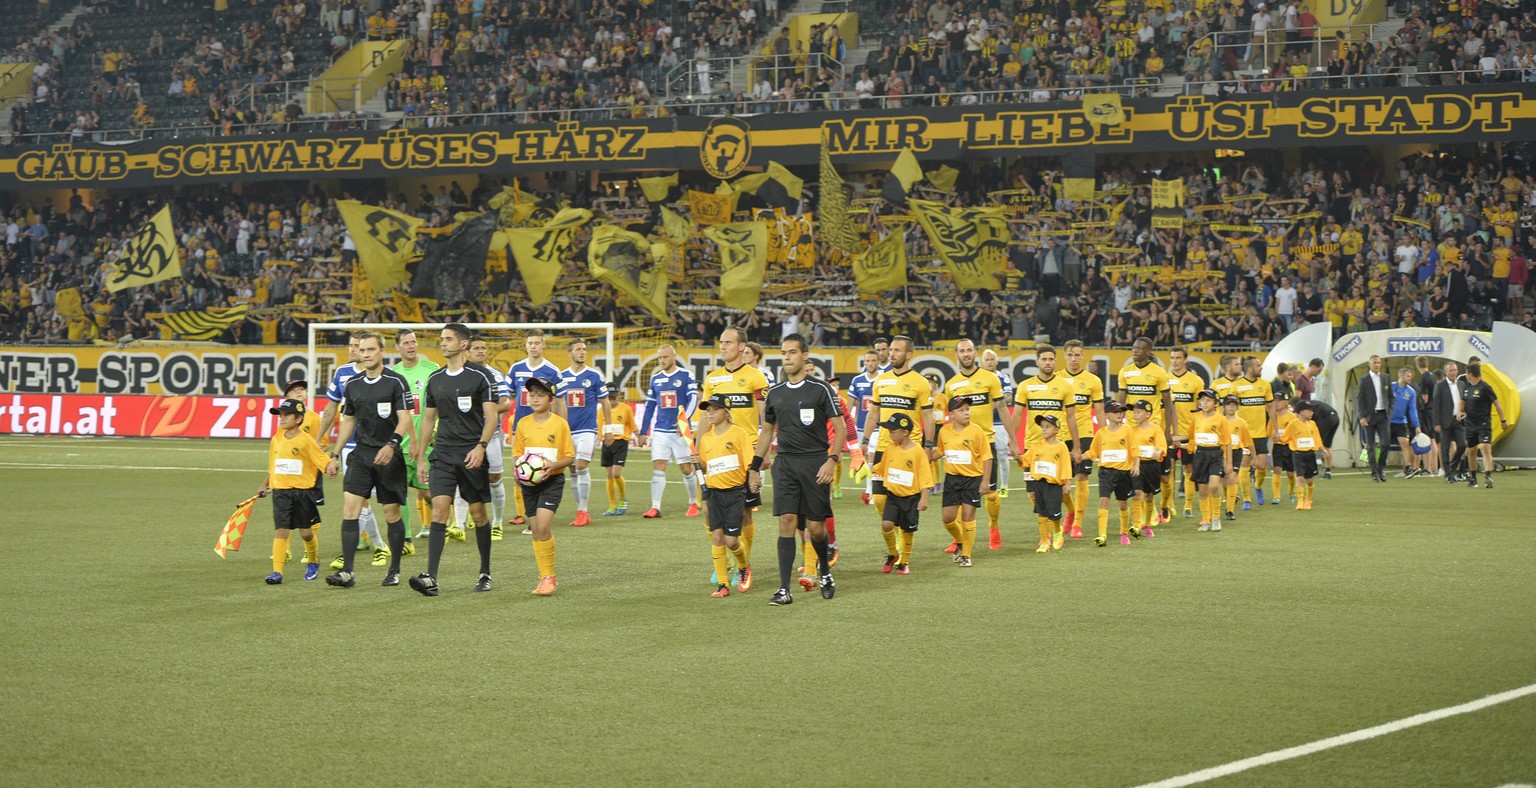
(133, 655)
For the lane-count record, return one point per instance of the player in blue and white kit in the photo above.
(862, 391)
(339, 379)
(494, 463)
(585, 393)
(882, 355)
(533, 366)
(671, 388)
(1000, 427)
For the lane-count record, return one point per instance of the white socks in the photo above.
(370, 527)
(658, 486)
(498, 502)
(583, 488)
(460, 511)
(691, 483)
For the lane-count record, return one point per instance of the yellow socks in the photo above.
(1125, 520)
(954, 530)
(890, 542)
(1148, 511)
(1258, 477)
(878, 501)
(718, 553)
(1290, 485)
(906, 547)
(1067, 504)
(1104, 521)
(994, 508)
(544, 556)
(517, 501)
(809, 554)
(967, 537)
(1274, 484)
(1167, 496)
(747, 532)
(740, 554)
(1231, 498)
(279, 552)
(311, 547)
(1080, 501)
(1244, 484)
(613, 493)
(1046, 527)
(623, 488)
(1189, 493)
(424, 511)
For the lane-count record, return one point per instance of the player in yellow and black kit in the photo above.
(1282, 449)
(1050, 468)
(907, 475)
(293, 460)
(1118, 469)
(1088, 390)
(1208, 432)
(1050, 394)
(743, 387)
(1242, 451)
(967, 451)
(1144, 379)
(1184, 385)
(983, 389)
(1305, 442)
(1151, 447)
(1255, 405)
(898, 390)
(620, 428)
(725, 454)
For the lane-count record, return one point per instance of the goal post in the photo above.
(328, 345)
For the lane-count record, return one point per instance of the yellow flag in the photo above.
(540, 251)
(743, 261)
(711, 208)
(944, 178)
(234, 530)
(362, 289)
(884, 266)
(907, 170)
(836, 226)
(1079, 189)
(407, 309)
(657, 189)
(1103, 109)
(67, 302)
(622, 259)
(1168, 194)
(204, 323)
(973, 242)
(150, 256)
(676, 229)
(385, 241)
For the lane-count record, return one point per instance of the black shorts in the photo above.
(544, 495)
(1402, 431)
(1427, 420)
(1084, 467)
(1237, 459)
(1260, 446)
(1165, 466)
(447, 474)
(795, 489)
(615, 453)
(318, 491)
(294, 509)
(1208, 463)
(1115, 483)
(725, 508)
(876, 484)
(901, 510)
(384, 483)
(1478, 434)
(1304, 463)
(1047, 498)
(1327, 428)
(1181, 454)
(1149, 483)
(962, 490)
(1283, 457)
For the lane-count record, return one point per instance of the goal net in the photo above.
(505, 344)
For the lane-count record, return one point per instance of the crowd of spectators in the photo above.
(1436, 240)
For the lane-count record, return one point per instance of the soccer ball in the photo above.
(531, 468)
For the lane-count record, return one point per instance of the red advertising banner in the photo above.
(137, 416)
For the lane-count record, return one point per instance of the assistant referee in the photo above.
(801, 413)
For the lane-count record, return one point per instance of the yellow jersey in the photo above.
(967, 451)
(293, 462)
(1282, 424)
(1253, 401)
(1185, 391)
(940, 408)
(550, 438)
(725, 457)
(1238, 434)
(905, 469)
(1302, 436)
(620, 424)
(1148, 383)
(906, 392)
(1209, 431)
(742, 387)
(1089, 392)
(1149, 442)
(311, 424)
(1223, 386)
(1039, 396)
(982, 389)
(1049, 462)
(1113, 448)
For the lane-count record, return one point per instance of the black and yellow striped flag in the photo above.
(204, 323)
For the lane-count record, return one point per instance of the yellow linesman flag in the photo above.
(1103, 109)
(622, 258)
(743, 262)
(973, 242)
(150, 256)
(676, 229)
(1168, 194)
(204, 323)
(657, 189)
(540, 251)
(884, 266)
(407, 309)
(234, 530)
(711, 208)
(385, 241)
(837, 227)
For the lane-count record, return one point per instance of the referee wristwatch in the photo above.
(482, 444)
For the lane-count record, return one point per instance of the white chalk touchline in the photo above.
(1331, 742)
(73, 466)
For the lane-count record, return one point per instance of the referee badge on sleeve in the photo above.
(807, 415)
(465, 403)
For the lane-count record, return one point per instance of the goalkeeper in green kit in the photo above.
(416, 369)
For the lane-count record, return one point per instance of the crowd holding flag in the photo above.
(150, 256)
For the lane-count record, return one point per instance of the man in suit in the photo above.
(1373, 405)
(1446, 407)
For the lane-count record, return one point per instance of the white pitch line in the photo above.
(92, 467)
(56, 443)
(1331, 742)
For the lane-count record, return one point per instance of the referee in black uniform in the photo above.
(458, 417)
(800, 412)
(375, 409)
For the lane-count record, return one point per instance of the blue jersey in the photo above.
(997, 412)
(583, 391)
(499, 389)
(862, 390)
(664, 396)
(334, 392)
(519, 374)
